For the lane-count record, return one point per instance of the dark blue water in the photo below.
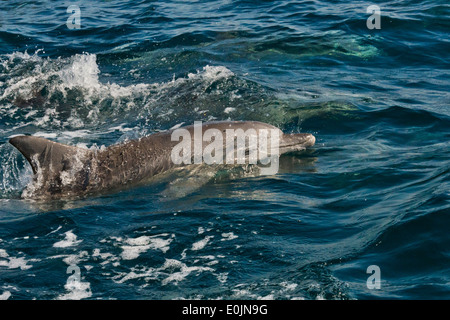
(373, 191)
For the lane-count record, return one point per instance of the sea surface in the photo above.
(364, 214)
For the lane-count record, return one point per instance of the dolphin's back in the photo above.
(63, 170)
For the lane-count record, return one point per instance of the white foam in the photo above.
(103, 256)
(69, 241)
(76, 134)
(212, 73)
(209, 257)
(5, 295)
(229, 110)
(14, 262)
(77, 290)
(135, 246)
(45, 135)
(149, 273)
(268, 297)
(201, 243)
(183, 272)
(172, 271)
(120, 128)
(211, 263)
(287, 286)
(75, 259)
(240, 293)
(228, 236)
(82, 72)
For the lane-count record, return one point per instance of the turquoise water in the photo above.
(374, 190)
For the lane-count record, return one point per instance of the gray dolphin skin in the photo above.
(63, 171)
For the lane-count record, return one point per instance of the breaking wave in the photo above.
(67, 94)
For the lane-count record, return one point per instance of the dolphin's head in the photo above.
(296, 142)
(287, 142)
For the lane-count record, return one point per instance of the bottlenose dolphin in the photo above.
(63, 171)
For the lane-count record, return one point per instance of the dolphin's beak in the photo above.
(296, 142)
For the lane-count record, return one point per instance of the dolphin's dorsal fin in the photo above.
(44, 154)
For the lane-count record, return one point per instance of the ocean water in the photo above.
(372, 194)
